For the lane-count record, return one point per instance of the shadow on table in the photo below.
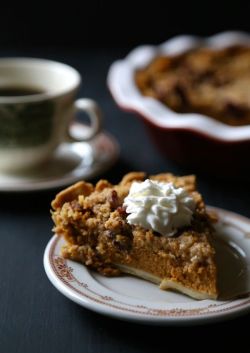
(131, 337)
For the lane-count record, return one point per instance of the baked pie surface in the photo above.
(212, 82)
(93, 221)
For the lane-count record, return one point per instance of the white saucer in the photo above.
(134, 299)
(70, 163)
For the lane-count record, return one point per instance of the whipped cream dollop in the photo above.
(159, 206)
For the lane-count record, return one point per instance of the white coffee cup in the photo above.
(37, 108)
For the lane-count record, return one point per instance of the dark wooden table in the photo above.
(34, 316)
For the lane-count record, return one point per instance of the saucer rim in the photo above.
(68, 178)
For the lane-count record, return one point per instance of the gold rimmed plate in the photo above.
(133, 299)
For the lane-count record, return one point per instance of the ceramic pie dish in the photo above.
(191, 139)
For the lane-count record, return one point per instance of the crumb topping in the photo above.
(212, 82)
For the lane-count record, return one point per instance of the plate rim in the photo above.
(173, 319)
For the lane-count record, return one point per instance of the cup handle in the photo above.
(92, 109)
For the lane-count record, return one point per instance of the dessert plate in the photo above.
(70, 162)
(133, 299)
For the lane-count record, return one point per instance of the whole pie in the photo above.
(212, 82)
(94, 221)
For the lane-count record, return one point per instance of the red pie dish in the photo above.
(196, 110)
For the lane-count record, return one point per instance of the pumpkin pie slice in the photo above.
(169, 241)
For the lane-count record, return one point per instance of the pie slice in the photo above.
(94, 222)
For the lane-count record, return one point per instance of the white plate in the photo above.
(70, 163)
(133, 299)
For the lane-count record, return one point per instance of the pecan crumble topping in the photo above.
(212, 82)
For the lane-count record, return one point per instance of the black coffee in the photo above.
(13, 91)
